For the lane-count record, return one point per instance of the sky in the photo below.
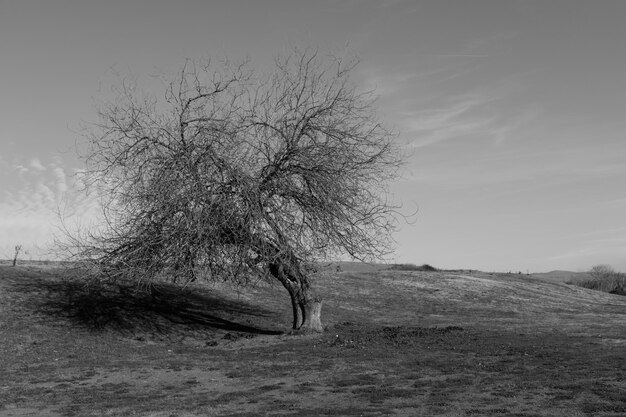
(512, 113)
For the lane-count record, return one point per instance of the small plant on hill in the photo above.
(18, 249)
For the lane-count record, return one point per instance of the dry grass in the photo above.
(398, 343)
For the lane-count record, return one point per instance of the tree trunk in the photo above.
(313, 316)
(18, 248)
(307, 309)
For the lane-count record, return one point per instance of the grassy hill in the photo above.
(563, 276)
(405, 343)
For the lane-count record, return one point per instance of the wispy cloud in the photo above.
(522, 172)
(35, 163)
(21, 169)
(614, 233)
(454, 118)
(478, 115)
(426, 100)
(587, 256)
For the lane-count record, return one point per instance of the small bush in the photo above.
(413, 267)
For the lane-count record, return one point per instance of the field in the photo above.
(403, 343)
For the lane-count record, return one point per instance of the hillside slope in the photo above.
(478, 299)
(563, 276)
(398, 343)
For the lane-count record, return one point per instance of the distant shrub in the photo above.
(601, 272)
(604, 278)
(413, 267)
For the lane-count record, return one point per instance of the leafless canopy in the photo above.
(228, 173)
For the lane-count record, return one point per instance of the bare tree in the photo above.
(600, 272)
(230, 175)
(18, 249)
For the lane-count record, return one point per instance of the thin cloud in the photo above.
(21, 169)
(61, 179)
(620, 241)
(35, 163)
(616, 202)
(421, 101)
(414, 79)
(468, 116)
(593, 255)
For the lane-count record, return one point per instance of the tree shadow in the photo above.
(166, 311)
